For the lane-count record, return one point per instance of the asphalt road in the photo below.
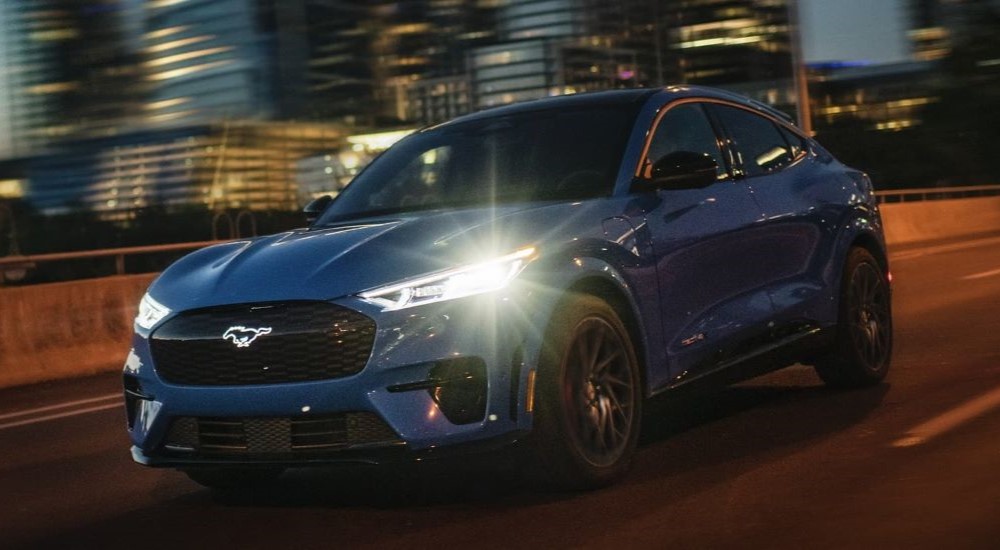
(779, 462)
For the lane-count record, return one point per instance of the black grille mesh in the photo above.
(277, 435)
(306, 341)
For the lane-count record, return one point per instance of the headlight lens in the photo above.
(465, 281)
(150, 312)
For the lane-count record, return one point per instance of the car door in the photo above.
(800, 196)
(711, 288)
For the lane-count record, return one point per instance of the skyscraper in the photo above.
(66, 70)
(552, 47)
(206, 60)
(418, 40)
(720, 42)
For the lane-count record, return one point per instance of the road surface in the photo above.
(779, 462)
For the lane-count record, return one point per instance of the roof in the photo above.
(632, 96)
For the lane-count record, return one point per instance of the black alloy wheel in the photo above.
(598, 390)
(589, 396)
(863, 349)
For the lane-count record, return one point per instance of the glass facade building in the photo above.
(205, 60)
(553, 47)
(245, 165)
(67, 71)
(719, 42)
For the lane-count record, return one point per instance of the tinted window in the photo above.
(796, 143)
(551, 155)
(759, 144)
(685, 128)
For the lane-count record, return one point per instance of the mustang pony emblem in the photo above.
(244, 336)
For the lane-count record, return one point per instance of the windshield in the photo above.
(537, 156)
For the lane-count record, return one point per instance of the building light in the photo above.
(168, 59)
(166, 103)
(160, 33)
(11, 189)
(184, 71)
(156, 48)
(378, 141)
(157, 4)
(721, 41)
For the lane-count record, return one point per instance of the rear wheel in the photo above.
(233, 478)
(863, 347)
(589, 397)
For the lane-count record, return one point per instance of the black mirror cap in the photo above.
(684, 170)
(316, 207)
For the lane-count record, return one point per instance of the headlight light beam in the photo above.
(465, 281)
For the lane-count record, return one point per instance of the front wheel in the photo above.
(589, 396)
(863, 347)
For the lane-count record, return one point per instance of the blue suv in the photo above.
(526, 274)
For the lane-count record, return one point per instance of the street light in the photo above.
(799, 69)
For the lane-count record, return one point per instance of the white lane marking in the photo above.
(60, 406)
(982, 275)
(59, 415)
(950, 419)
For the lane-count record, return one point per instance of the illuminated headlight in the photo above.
(150, 312)
(465, 281)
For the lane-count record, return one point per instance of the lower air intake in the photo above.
(278, 436)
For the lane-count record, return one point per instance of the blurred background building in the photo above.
(114, 107)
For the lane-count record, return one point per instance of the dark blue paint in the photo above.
(705, 272)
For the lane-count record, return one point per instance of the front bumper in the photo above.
(510, 443)
(398, 386)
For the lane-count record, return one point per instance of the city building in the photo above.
(887, 97)
(418, 40)
(68, 70)
(206, 60)
(550, 47)
(225, 165)
(434, 100)
(722, 42)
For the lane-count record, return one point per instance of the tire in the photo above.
(863, 347)
(233, 478)
(589, 397)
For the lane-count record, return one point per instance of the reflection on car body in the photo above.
(530, 273)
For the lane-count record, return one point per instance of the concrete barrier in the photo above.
(61, 330)
(83, 327)
(912, 222)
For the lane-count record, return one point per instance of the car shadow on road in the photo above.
(701, 429)
(692, 430)
(688, 444)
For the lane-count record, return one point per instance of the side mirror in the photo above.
(316, 207)
(684, 170)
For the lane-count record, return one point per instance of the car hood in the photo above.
(348, 258)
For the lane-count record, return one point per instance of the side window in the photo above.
(684, 128)
(759, 145)
(794, 141)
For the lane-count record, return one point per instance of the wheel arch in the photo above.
(612, 293)
(873, 246)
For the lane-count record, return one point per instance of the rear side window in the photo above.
(759, 144)
(797, 144)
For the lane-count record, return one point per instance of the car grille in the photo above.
(303, 341)
(282, 436)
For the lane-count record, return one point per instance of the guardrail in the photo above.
(9, 263)
(936, 193)
(13, 263)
